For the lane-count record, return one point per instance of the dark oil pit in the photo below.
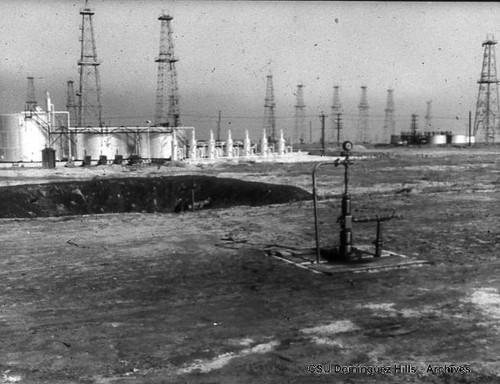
(162, 194)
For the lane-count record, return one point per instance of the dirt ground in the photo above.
(197, 297)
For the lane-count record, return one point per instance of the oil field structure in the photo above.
(44, 135)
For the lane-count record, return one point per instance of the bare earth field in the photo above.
(198, 296)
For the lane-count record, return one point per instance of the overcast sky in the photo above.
(424, 51)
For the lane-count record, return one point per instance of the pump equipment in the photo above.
(345, 251)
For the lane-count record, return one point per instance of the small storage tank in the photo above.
(161, 145)
(437, 139)
(459, 139)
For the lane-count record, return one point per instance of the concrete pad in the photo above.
(368, 263)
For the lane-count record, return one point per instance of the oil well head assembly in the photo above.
(345, 251)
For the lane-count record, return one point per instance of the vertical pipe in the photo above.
(316, 227)
(322, 133)
(218, 125)
(470, 128)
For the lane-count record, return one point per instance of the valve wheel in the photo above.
(347, 145)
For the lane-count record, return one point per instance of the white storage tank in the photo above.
(32, 138)
(144, 145)
(96, 145)
(9, 137)
(114, 144)
(437, 139)
(459, 139)
(79, 148)
(92, 144)
(161, 145)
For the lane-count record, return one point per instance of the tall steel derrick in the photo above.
(31, 102)
(300, 116)
(89, 109)
(389, 123)
(71, 105)
(167, 93)
(362, 134)
(428, 117)
(486, 122)
(269, 107)
(336, 114)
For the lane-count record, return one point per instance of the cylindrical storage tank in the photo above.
(131, 144)
(9, 137)
(144, 145)
(459, 139)
(92, 145)
(32, 140)
(112, 145)
(437, 139)
(470, 139)
(78, 148)
(161, 145)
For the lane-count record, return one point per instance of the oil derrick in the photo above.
(414, 125)
(389, 123)
(300, 116)
(363, 117)
(167, 98)
(89, 92)
(428, 123)
(31, 102)
(269, 106)
(486, 122)
(336, 114)
(70, 102)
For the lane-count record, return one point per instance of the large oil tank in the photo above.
(9, 137)
(161, 145)
(96, 145)
(437, 139)
(144, 145)
(78, 140)
(114, 144)
(33, 138)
